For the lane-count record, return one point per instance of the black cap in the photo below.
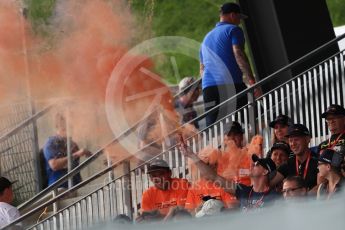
(281, 145)
(281, 119)
(235, 128)
(267, 163)
(298, 130)
(158, 165)
(331, 157)
(334, 110)
(5, 183)
(231, 7)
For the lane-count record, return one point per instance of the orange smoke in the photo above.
(86, 41)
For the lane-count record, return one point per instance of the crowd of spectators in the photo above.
(289, 171)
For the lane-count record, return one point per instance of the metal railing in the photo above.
(17, 142)
(303, 98)
(287, 99)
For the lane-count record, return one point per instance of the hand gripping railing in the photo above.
(76, 170)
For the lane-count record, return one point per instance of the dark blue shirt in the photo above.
(217, 56)
(250, 200)
(56, 147)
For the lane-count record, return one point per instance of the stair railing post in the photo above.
(127, 190)
(251, 114)
(69, 153)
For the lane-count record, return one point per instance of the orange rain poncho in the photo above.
(235, 163)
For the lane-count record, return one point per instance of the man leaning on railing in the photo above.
(55, 154)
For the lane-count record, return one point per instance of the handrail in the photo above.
(212, 110)
(26, 122)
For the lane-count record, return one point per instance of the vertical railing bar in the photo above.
(317, 107)
(270, 106)
(300, 101)
(306, 101)
(337, 80)
(323, 106)
(267, 128)
(342, 68)
(282, 102)
(260, 131)
(246, 126)
(327, 85)
(312, 109)
(276, 102)
(288, 100)
(332, 79)
(294, 101)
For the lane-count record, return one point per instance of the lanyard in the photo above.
(330, 145)
(305, 168)
(258, 202)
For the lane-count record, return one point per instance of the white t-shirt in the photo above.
(8, 213)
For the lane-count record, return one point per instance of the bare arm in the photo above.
(202, 67)
(61, 163)
(276, 180)
(243, 63)
(208, 173)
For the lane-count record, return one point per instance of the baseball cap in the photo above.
(185, 82)
(281, 119)
(281, 145)
(5, 183)
(334, 110)
(267, 163)
(210, 207)
(298, 130)
(231, 7)
(331, 157)
(235, 128)
(158, 165)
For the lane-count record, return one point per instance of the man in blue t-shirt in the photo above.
(224, 64)
(55, 154)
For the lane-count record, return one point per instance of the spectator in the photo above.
(280, 127)
(166, 193)
(301, 163)
(330, 163)
(279, 153)
(224, 64)
(335, 119)
(235, 134)
(204, 188)
(188, 94)
(250, 197)
(236, 160)
(55, 154)
(8, 213)
(294, 187)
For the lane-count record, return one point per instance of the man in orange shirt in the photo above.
(202, 190)
(166, 192)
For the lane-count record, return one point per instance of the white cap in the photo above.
(185, 82)
(210, 208)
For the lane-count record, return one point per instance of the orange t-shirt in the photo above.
(207, 188)
(156, 199)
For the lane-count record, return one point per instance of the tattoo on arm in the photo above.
(243, 63)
